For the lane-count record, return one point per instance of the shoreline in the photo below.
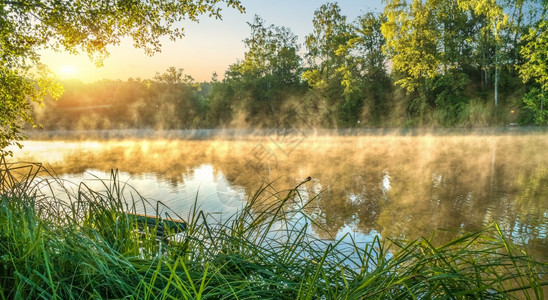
(205, 134)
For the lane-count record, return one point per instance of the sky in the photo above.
(208, 46)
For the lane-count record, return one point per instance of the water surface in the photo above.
(396, 185)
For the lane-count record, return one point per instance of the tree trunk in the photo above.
(496, 80)
(496, 67)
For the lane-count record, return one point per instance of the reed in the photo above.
(71, 242)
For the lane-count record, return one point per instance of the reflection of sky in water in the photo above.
(211, 189)
(386, 182)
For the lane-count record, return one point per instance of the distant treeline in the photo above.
(425, 63)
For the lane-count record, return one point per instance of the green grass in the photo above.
(63, 243)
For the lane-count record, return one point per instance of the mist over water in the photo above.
(401, 185)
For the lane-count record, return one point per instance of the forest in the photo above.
(419, 63)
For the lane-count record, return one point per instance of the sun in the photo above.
(68, 71)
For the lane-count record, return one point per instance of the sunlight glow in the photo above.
(67, 71)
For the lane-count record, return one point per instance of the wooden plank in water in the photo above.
(162, 225)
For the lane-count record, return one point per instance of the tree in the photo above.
(272, 51)
(89, 26)
(15, 91)
(437, 45)
(270, 68)
(364, 75)
(326, 46)
(535, 68)
(412, 38)
(495, 20)
(172, 95)
(329, 60)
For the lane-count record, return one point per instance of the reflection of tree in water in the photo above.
(351, 190)
(463, 187)
(530, 207)
(403, 187)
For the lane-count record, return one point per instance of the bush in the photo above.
(536, 102)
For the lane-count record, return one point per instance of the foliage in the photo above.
(346, 66)
(364, 76)
(431, 46)
(272, 51)
(76, 26)
(171, 100)
(271, 68)
(326, 46)
(420, 63)
(535, 104)
(91, 26)
(81, 244)
(535, 68)
(15, 109)
(327, 54)
(535, 53)
(411, 42)
(439, 49)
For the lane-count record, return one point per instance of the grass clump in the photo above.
(85, 245)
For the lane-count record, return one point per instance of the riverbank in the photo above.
(245, 133)
(86, 246)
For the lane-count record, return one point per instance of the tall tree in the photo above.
(494, 21)
(271, 67)
(412, 38)
(535, 68)
(326, 45)
(328, 60)
(435, 46)
(363, 72)
(272, 51)
(362, 52)
(171, 99)
(87, 26)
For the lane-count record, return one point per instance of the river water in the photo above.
(397, 185)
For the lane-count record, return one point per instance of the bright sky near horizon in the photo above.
(209, 46)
